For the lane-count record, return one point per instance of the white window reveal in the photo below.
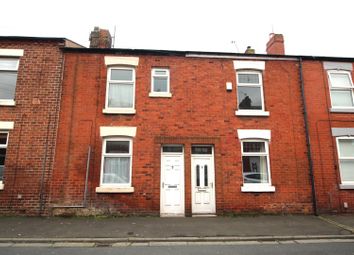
(120, 91)
(341, 89)
(345, 146)
(8, 79)
(160, 82)
(255, 161)
(116, 165)
(250, 99)
(3, 147)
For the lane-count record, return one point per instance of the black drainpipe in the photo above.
(309, 156)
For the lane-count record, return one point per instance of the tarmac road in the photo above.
(315, 248)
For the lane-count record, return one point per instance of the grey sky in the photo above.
(310, 27)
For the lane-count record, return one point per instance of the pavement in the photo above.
(124, 231)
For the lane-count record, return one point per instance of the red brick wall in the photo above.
(30, 150)
(324, 151)
(200, 111)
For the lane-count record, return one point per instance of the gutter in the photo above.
(309, 155)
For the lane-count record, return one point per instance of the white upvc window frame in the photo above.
(119, 110)
(250, 112)
(4, 146)
(126, 186)
(154, 93)
(257, 187)
(340, 88)
(344, 184)
(9, 102)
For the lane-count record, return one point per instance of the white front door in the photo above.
(203, 180)
(172, 181)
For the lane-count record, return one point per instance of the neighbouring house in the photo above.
(30, 87)
(102, 130)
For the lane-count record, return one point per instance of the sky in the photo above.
(310, 27)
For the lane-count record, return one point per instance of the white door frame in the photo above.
(162, 175)
(213, 199)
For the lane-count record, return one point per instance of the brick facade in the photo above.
(200, 111)
(31, 144)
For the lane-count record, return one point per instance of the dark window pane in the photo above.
(7, 85)
(248, 78)
(160, 84)
(253, 147)
(121, 75)
(255, 169)
(249, 98)
(2, 156)
(198, 175)
(206, 176)
(1, 172)
(3, 138)
(201, 150)
(172, 149)
(117, 147)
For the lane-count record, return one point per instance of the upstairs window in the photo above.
(120, 92)
(341, 89)
(249, 90)
(8, 78)
(160, 82)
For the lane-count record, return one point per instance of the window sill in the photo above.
(251, 113)
(346, 186)
(1, 185)
(342, 110)
(119, 111)
(114, 190)
(257, 188)
(7, 102)
(160, 94)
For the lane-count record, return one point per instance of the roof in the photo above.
(68, 42)
(203, 54)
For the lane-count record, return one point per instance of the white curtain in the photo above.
(120, 95)
(116, 170)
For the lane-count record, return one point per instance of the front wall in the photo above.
(323, 145)
(200, 111)
(30, 151)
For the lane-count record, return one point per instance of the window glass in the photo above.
(160, 72)
(117, 147)
(347, 170)
(340, 80)
(198, 175)
(167, 148)
(121, 74)
(160, 84)
(7, 84)
(116, 170)
(342, 98)
(346, 147)
(252, 78)
(249, 98)
(3, 138)
(205, 175)
(255, 169)
(201, 150)
(120, 95)
(8, 64)
(253, 147)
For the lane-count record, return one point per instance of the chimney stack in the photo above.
(100, 38)
(249, 50)
(275, 45)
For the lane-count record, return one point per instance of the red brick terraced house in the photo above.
(176, 133)
(30, 87)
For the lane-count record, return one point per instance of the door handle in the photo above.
(212, 184)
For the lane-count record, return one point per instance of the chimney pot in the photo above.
(100, 38)
(249, 50)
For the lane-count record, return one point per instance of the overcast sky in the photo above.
(310, 27)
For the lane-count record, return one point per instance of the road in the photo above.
(319, 248)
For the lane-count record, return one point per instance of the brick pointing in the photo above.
(200, 111)
(32, 141)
